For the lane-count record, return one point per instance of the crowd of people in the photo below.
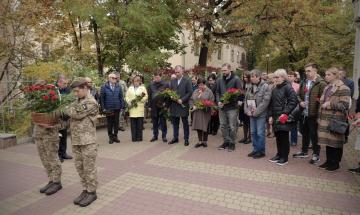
(278, 105)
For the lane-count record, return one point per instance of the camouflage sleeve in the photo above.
(81, 110)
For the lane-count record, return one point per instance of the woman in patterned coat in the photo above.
(334, 102)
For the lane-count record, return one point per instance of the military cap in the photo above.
(78, 82)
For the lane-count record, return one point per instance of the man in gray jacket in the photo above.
(257, 100)
(228, 112)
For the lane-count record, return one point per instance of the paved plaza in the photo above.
(155, 178)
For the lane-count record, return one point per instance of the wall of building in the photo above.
(190, 59)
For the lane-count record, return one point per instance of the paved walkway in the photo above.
(155, 178)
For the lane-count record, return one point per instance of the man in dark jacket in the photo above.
(309, 97)
(112, 100)
(62, 84)
(156, 103)
(229, 112)
(180, 108)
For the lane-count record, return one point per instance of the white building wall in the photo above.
(190, 59)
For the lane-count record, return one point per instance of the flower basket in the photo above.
(43, 119)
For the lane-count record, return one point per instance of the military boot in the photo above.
(78, 199)
(56, 186)
(88, 199)
(43, 189)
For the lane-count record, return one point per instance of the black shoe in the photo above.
(121, 129)
(315, 159)
(186, 143)
(214, 133)
(248, 141)
(258, 155)
(204, 145)
(355, 171)
(173, 141)
(300, 155)
(61, 159)
(324, 165)
(332, 168)
(153, 139)
(56, 186)
(275, 159)
(67, 157)
(281, 162)
(231, 148)
(111, 141)
(251, 154)
(116, 140)
(164, 139)
(43, 189)
(88, 199)
(223, 146)
(197, 145)
(78, 199)
(243, 140)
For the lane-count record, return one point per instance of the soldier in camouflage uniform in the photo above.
(47, 142)
(82, 113)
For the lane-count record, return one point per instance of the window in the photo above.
(238, 57)
(232, 55)
(219, 54)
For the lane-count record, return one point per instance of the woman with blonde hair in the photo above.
(283, 102)
(334, 103)
(136, 96)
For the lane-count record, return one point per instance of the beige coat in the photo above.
(339, 100)
(201, 118)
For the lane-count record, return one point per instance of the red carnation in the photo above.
(45, 97)
(232, 90)
(54, 98)
(50, 86)
(306, 89)
(283, 118)
(52, 93)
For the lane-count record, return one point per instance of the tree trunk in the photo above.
(98, 48)
(204, 50)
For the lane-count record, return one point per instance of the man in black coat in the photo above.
(156, 104)
(62, 84)
(228, 113)
(180, 108)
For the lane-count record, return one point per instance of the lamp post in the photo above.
(267, 63)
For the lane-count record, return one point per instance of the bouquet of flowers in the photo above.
(134, 102)
(170, 94)
(230, 96)
(204, 104)
(43, 99)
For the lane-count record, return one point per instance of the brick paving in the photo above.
(155, 178)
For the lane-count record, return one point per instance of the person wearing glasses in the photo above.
(309, 95)
(111, 100)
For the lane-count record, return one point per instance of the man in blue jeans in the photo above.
(257, 100)
(228, 113)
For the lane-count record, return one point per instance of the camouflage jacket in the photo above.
(82, 113)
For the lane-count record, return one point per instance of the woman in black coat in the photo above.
(281, 114)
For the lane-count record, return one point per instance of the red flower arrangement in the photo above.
(42, 98)
(204, 104)
(231, 95)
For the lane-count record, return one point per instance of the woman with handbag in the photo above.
(334, 104)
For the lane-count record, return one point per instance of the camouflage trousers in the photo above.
(85, 159)
(47, 142)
